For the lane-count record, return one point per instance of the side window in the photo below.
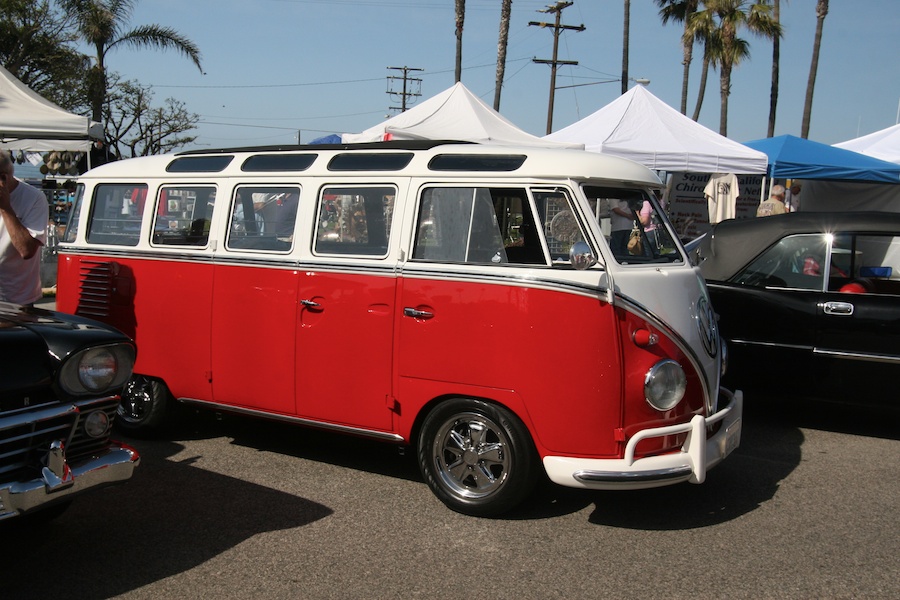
(263, 218)
(116, 213)
(74, 215)
(796, 262)
(865, 264)
(621, 212)
(183, 215)
(560, 223)
(354, 220)
(496, 226)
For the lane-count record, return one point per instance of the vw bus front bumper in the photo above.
(698, 454)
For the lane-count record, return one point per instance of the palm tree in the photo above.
(730, 16)
(702, 28)
(505, 12)
(101, 24)
(680, 11)
(460, 19)
(625, 46)
(776, 55)
(821, 13)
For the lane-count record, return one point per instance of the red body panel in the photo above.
(523, 339)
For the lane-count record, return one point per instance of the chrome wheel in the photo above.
(477, 457)
(471, 455)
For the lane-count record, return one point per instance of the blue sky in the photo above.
(274, 68)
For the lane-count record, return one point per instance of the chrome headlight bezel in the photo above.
(97, 369)
(665, 385)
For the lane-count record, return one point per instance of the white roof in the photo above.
(29, 121)
(640, 126)
(884, 144)
(454, 114)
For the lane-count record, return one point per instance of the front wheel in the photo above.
(144, 406)
(476, 457)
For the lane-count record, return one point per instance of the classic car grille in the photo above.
(25, 437)
(96, 288)
(20, 400)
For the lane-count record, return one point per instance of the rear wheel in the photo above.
(145, 405)
(477, 458)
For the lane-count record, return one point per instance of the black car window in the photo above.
(796, 262)
(865, 264)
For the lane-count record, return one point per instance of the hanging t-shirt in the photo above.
(721, 193)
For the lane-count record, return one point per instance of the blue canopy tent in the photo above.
(791, 157)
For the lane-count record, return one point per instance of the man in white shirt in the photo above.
(24, 215)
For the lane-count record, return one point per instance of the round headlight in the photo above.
(97, 369)
(664, 385)
(96, 424)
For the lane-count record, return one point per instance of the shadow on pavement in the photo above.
(169, 518)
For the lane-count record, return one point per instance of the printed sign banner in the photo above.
(688, 207)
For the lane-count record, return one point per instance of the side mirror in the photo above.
(581, 257)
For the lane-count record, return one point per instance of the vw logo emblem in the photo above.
(706, 323)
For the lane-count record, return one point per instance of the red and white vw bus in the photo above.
(459, 298)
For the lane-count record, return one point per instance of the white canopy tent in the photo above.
(639, 126)
(884, 144)
(454, 114)
(28, 121)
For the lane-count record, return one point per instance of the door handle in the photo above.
(310, 304)
(417, 314)
(844, 309)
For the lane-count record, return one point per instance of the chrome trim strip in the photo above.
(843, 354)
(623, 476)
(368, 433)
(771, 344)
(864, 356)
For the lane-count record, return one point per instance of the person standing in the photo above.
(622, 221)
(792, 198)
(24, 216)
(774, 205)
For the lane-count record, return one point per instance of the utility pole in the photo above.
(557, 8)
(412, 87)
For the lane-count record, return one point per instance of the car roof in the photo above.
(731, 244)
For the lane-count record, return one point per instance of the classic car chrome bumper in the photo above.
(697, 455)
(59, 480)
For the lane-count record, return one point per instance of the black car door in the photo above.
(857, 346)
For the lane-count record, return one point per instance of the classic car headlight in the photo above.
(664, 385)
(96, 370)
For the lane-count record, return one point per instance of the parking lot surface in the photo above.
(239, 508)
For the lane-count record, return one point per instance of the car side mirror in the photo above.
(581, 257)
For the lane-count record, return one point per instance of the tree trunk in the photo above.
(627, 19)
(688, 57)
(776, 52)
(704, 73)
(505, 12)
(821, 12)
(724, 92)
(460, 20)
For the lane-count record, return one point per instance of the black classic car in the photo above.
(809, 303)
(60, 381)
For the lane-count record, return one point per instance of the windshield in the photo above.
(634, 225)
